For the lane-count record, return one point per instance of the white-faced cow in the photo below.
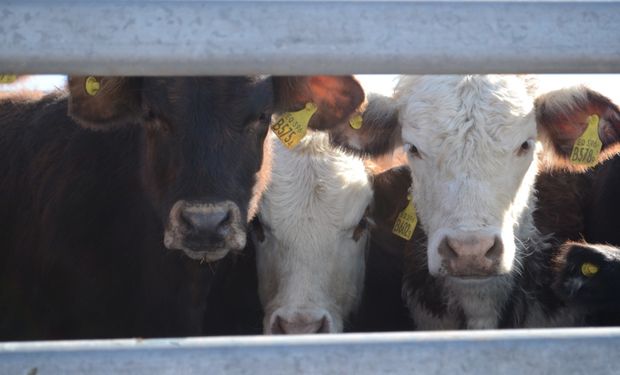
(311, 237)
(102, 186)
(312, 240)
(475, 146)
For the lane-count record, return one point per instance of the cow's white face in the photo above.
(311, 260)
(472, 148)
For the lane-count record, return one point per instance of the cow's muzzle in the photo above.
(205, 231)
(472, 255)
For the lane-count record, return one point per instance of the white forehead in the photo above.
(315, 185)
(447, 111)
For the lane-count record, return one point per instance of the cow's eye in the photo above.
(525, 147)
(412, 149)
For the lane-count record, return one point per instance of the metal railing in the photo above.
(511, 352)
(167, 37)
(305, 37)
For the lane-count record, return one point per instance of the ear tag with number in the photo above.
(7, 78)
(406, 221)
(589, 269)
(291, 127)
(588, 146)
(92, 86)
(356, 122)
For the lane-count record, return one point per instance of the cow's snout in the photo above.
(207, 225)
(205, 231)
(472, 255)
(299, 322)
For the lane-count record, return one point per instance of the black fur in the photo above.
(83, 203)
(598, 294)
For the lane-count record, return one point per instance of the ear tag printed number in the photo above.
(356, 122)
(292, 126)
(589, 269)
(7, 78)
(406, 221)
(92, 86)
(588, 146)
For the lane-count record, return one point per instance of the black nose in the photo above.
(206, 226)
(205, 231)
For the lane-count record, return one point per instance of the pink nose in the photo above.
(471, 255)
(299, 323)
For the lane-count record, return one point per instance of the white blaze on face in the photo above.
(311, 261)
(475, 167)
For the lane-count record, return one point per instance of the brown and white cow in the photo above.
(99, 184)
(475, 146)
(312, 238)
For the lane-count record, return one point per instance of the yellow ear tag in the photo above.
(356, 122)
(92, 86)
(589, 269)
(7, 78)
(406, 221)
(588, 146)
(292, 126)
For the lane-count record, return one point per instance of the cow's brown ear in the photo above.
(562, 117)
(103, 103)
(336, 97)
(379, 132)
(390, 193)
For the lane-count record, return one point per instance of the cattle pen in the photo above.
(195, 37)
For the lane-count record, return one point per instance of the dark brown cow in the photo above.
(93, 186)
(382, 307)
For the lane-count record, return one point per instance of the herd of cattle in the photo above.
(158, 207)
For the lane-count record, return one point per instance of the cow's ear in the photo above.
(379, 132)
(102, 103)
(336, 97)
(390, 193)
(562, 117)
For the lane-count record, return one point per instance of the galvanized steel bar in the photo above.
(168, 37)
(562, 351)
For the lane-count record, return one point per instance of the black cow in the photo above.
(588, 276)
(382, 307)
(94, 182)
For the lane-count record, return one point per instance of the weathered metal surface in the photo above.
(137, 37)
(561, 351)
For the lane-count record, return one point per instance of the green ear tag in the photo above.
(92, 86)
(406, 221)
(292, 126)
(588, 146)
(7, 78)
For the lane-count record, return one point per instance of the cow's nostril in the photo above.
(277, 327)
(324, 328)
(446, 250)
(224, 226)
(495, 252)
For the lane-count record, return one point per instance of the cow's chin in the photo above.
(473, 280)
(210, 253)
(206, 256)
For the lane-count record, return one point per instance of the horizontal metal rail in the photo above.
(167, 37)
(561, 351)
